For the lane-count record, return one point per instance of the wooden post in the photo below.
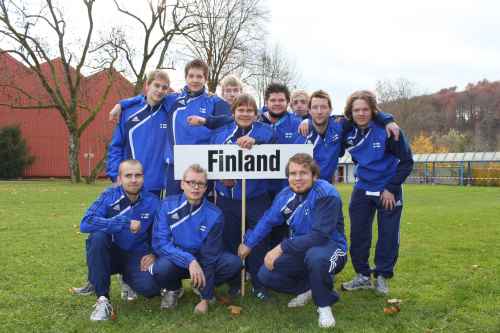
(243, 227)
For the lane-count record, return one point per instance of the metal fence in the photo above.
(476, 168)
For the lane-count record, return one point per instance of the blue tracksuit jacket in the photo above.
(314, 218)
(186, 104)
(327, 147)
(112, 212)
(184, 233)
(229, 134)
(141, 134)
(381, 162)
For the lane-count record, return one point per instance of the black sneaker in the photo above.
(87, 290)
(261, 294)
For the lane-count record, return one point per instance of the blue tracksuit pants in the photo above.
(168, 275)
(362, 210)
(315, 269)
(232, 231)
(104, 259)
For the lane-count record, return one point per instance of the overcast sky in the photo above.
(342, 46)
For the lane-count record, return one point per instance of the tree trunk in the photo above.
(74, 152)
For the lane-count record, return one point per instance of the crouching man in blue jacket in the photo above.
(119, 224)
(187, 237)
(305, 263)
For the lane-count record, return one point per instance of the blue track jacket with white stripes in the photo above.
(184, 233)
(381, 162)
(112, 212)
(185, 104)
(141, 134)
(229, 134)
(314, 219)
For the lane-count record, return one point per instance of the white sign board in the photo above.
(233, 162)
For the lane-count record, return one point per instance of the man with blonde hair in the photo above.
(299, 103)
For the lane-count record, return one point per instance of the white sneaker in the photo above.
(102, 310)
(169, 298)
(325, 319)
(128, 294)
(300, 300)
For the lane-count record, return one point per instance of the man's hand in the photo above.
(229, 182)
(114, 114)
(271, 257)
(388, 200)
(243, 251)
(196, 121)
(135, 226)
(201, 307)
(392, 128)
(304, 127)
(147, 261)
(197, 275)
(246, 142)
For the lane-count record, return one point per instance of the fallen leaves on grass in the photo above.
(394, 306)
(234, 310)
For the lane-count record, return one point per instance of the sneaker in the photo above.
(102, 310)
(86, 290)
(261, 294)
(169, 298)
(300, 300)
(325, 318)
(359, 282)
(128, 294)
(381, 286)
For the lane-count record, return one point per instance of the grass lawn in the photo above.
(448, 274)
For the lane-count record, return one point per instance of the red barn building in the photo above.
(44, 129)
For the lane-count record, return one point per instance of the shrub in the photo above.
(14, 154)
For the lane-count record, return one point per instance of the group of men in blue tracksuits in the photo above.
(295, 241)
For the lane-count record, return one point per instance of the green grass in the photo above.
(447, 274)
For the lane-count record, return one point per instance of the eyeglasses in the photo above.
(195, 184)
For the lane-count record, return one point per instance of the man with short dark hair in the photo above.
(304, 264)
(119, 224)
(187, 237)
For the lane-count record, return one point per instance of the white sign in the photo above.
(233, 162)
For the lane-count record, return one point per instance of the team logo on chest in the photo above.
(116, 207)
(135, 119)
(288, 135)
(203, 228)
(175, 216)
(163, 125)
(203, 110)
(376, 145)
(145, 216)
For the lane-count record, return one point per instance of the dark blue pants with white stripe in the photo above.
(168, 275)
(315, 269)
(362, 210)
(104, 259)
(232, 231)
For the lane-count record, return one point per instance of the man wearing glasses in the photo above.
(187, 239)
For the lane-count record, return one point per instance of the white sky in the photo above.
(342, 46)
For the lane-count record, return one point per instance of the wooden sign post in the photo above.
(233, 162)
